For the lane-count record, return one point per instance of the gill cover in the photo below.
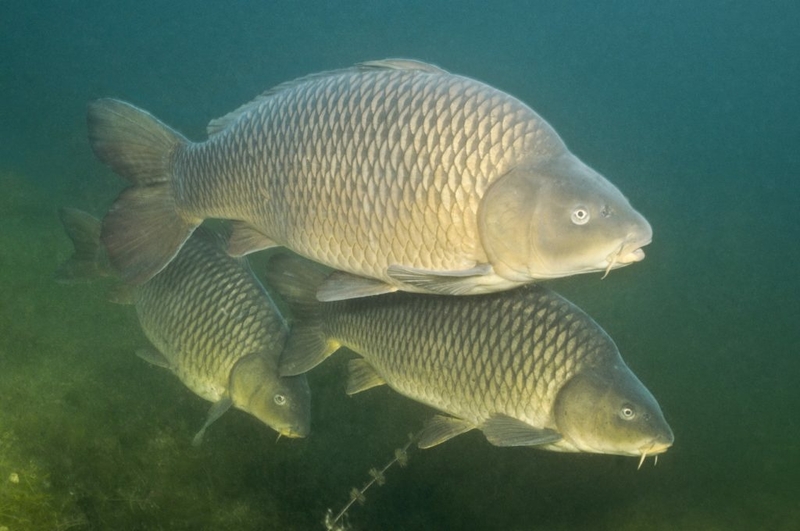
(555, 219)
(505, 221)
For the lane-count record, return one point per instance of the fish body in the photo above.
(211, 323)
(397, 173)
(525, 366)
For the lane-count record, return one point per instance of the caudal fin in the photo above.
(89, 261)
(134, 143)
(297, 280)
(143, 230)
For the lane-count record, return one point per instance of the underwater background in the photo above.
(690, 108)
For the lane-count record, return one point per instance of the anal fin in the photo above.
(306, 348)
(361, 376)
(440, 429)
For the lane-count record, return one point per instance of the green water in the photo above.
(690, 108)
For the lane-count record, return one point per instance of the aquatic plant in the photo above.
(336, 523)
(26, 498)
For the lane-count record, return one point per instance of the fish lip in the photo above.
(293, 432)
(628, 252)
(637, 255)
(655, 448)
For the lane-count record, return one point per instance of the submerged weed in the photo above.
(337, 522)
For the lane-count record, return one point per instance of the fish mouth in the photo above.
(637, 255)
(292, 432)
(627, 253)
(653, 449)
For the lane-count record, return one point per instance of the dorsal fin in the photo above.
(218, 124)
(401, 64)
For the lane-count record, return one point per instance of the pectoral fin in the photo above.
(440, 429)
(246, 239)
(341, 286)
(362, 376)
(217, 410)
(443, 282)
(153, 357)
(502, 430)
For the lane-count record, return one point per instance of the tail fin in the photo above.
(89, 261)
(143, 230)
(297, 280)
(131, 141)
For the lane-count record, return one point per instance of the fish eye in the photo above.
(279, 399)
(627, 412)
(580, 216)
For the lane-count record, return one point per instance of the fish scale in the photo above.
(289, 118)
(448, 357)
(209, 346)
(211, 323)
(397, 173)
(525, 366)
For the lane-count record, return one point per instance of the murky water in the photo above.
(691, 109)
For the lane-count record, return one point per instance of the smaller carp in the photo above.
(212, 324)
(525, 366)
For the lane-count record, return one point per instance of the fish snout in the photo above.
(639, 235)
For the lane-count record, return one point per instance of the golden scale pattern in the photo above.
(354, 158)
(209, 311)
(521, 345)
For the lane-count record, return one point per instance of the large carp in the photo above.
(397, 173)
